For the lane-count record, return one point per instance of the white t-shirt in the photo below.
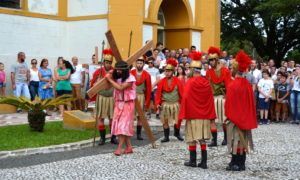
(290, 69)
(257, 74)
(274, 77)
(158, 61)
(145, 66)
(76, 77)
(266, 86)
(296, 86)
(34, 75)
(154, 73)
(162, 64)
(92, 69)
(203, 72)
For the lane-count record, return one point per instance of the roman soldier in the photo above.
(197, 108)
(241, 113)
(104, 102)
(143, 90)
(168, 98)
(219, 78)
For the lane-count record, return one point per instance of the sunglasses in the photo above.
(33, 63)
(150, 62)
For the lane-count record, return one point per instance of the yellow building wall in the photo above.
(178, 39)
(123, 17)
(208, 17)
(127, 15)
(179, 28)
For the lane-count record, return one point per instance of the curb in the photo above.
(47, 149)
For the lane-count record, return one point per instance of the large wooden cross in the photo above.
(104, 84)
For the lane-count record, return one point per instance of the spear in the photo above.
(103, 44)
(130, 38)
(97, 98)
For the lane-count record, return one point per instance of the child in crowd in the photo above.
(265, 89)
(2, 80)
(283, 91)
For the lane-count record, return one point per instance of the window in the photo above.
(15, 4)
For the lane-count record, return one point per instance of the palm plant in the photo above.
(36, 109)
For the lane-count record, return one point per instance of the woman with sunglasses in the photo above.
(34, 79)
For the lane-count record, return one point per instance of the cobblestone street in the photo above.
(276, 156)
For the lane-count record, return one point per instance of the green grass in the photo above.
(20, 136)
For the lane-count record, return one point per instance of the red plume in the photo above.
(172, 62)
(214, 50)
(196, 56)
(243, 60)
(107, 51)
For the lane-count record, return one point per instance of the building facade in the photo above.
(52, 28)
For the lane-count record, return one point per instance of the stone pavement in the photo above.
(276, 157)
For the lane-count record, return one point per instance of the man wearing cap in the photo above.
(105, 101)
(241, 113)
(197, 108)
(168, 98)
(219, 78)
(143, 90)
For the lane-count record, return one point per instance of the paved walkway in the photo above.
(21, 118)
(276, 157)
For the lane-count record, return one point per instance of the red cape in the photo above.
(197, 101)
(145, 78)
(163, 86)
(225, 76)
(239, 105)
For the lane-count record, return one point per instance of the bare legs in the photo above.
(124, 140)
(62, 109)
(263, 116)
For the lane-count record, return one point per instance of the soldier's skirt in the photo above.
(237, 138)
(197, 130)
(220, 108)
(105, 107)
(141, 98)
(169, 113)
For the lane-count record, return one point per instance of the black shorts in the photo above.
(263, 105)
(62, 92)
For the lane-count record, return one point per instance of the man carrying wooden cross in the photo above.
(104, 83)
(105, 101)
(143, 90)
(124, 96)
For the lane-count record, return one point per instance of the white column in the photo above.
(147, 33)
(196, 40)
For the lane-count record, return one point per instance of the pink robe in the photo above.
(124, 109)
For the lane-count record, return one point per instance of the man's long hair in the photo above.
(123, 76)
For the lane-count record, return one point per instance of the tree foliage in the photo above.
(272, 26)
